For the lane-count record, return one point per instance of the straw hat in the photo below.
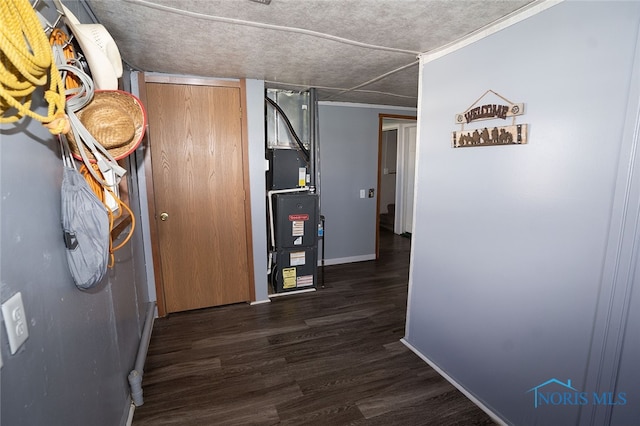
(116, 119)
(100, 50)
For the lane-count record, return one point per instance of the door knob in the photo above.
(164, 216)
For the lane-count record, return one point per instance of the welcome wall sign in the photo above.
(500, 109)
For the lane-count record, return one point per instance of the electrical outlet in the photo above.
(15, 320)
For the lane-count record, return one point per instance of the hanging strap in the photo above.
(104, 160)
(64, 54)
(67, 158)
(80, 97)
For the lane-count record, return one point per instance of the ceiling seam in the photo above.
(307, 87)
(378, 78)
(254, 24)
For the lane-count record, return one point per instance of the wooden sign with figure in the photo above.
(514, 134)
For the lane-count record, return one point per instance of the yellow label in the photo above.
(302, 176)
(288, 277)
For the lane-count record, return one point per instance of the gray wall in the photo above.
(629, 375)
(73, 368)
(349, 163)
(255, 118)
(524, 257)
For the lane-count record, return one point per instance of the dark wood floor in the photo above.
(331, 357)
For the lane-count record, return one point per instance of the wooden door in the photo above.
(195, 135)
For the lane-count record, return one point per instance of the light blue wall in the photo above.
(629, 375)
(516, 249)
(255, 118)
(349, 163)
(73, 368)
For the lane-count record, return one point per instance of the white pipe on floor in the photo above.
(135, 376)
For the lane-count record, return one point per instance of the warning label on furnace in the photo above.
(297, 228)
(289, 278)
(297, 224)
(305, 280)
(297, 258)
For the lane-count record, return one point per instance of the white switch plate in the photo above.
(15, 320)
(362, 193)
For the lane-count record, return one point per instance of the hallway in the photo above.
(331, 357)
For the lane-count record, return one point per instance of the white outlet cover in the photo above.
(15, 321)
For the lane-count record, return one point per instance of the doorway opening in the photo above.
(396, 173)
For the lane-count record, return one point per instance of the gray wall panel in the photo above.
(255, 118)
(629, 375)
(509, 241)
(73, 368)
(349, 163)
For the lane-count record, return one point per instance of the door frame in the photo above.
(402, 184)
(381, 118)
(148, 172)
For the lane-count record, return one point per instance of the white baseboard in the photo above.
(457, 385)
(259, 302)
(286, 293)
(352, 259)
(132, 408)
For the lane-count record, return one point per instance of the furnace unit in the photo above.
(296, 236)
(294, 216)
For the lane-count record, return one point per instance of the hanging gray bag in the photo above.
(85, 222)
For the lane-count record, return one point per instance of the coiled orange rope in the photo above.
(25, 64)
(59, 38)
(99, 189)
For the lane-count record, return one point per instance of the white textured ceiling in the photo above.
(361, 51)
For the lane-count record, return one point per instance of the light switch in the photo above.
(362, 193)
(15, 321)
